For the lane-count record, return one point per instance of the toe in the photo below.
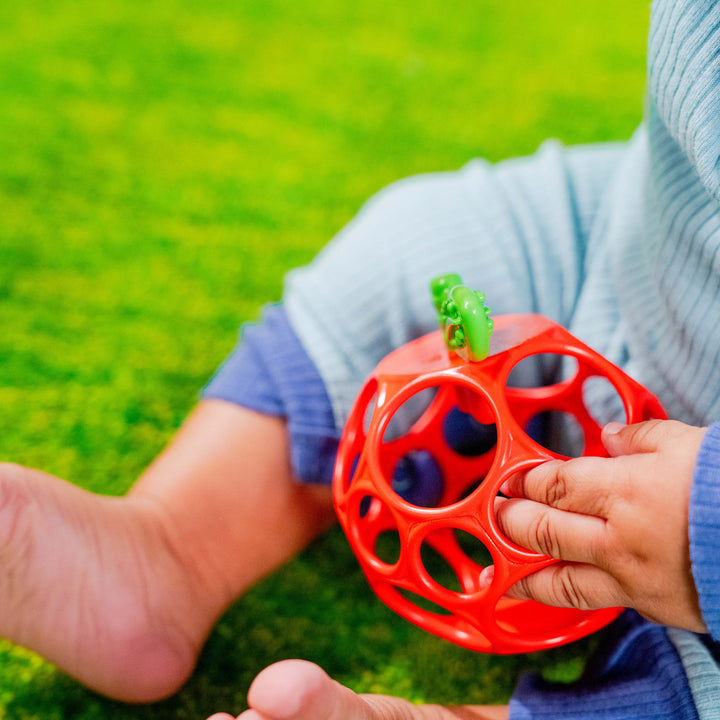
(300, 690)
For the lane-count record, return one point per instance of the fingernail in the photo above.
(613, 428)
(486, 576)
(505, 488)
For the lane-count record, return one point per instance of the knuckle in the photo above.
(557, 488)
(521, 589)
(567, 591)
(647, 435)
(543, 535)
(605, 552)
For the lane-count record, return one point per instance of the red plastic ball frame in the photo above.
(477, 617)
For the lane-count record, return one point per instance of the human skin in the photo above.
(145, 577)
(121, 593)
(619, 525)
(299, 690)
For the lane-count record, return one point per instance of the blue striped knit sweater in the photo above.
(621, 244)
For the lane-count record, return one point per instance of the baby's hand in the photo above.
(619, 524)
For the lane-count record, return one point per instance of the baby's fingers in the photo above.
(583, 587)
(583, 485)
(562, 535)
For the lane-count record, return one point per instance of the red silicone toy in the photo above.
(417, 506)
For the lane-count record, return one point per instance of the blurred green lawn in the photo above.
(163, 165)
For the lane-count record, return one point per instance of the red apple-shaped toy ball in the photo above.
(437, 428)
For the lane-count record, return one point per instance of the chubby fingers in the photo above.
(579, 586)
(583, 485)
(560, 509)
(649, 436)
(557, 533)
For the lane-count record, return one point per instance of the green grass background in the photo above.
(162, 165)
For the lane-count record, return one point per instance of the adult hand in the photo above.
(619, 525)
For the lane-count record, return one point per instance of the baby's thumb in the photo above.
(643, 437)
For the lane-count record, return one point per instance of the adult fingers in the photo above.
(579, 586)
(581, 485)
(549, 531)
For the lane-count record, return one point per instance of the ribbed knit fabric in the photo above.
(702, 672)
(667, 266)
(705, 528)
(636, 674)
(519, 231)
(619, 245)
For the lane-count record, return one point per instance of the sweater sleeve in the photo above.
(517, 230)
(270, 372)
(634, 674)
(705, 529)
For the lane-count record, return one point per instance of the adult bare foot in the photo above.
(299, 690)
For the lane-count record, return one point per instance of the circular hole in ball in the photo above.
(388, 546)
(542, 370)
(365, 505)
(557, 431)
(418, 479)
(420, 464)
(423, 603)
(410, 413)
(473, 548)
(439, 569)
(454, 559)
(602, 401)
(466, 435)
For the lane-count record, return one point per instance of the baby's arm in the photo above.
(619, 524)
